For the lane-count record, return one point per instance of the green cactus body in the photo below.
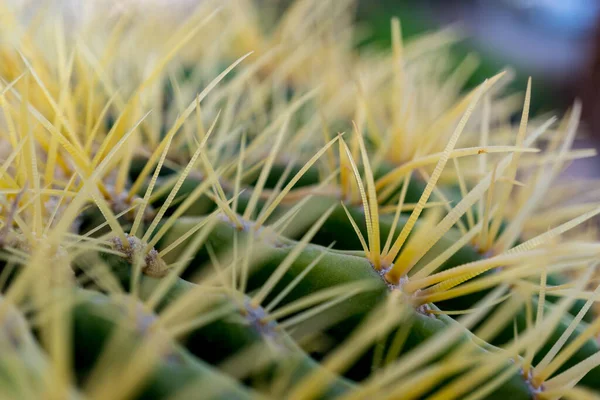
(226, 205)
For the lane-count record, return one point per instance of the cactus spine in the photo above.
(228, 208)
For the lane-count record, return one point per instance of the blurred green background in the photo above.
(551, 40)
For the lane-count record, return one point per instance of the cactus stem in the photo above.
(269, 285)
(145, 321)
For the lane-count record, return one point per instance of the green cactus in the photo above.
(183, 218)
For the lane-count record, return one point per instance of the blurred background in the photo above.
(557, 42)
(553, 40)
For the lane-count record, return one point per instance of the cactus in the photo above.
(226, 207)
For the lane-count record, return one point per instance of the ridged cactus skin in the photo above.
(211, 202)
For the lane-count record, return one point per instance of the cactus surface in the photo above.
(224, 205)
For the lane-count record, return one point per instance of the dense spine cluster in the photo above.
(223, 206)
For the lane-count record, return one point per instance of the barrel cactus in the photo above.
(220, 205)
